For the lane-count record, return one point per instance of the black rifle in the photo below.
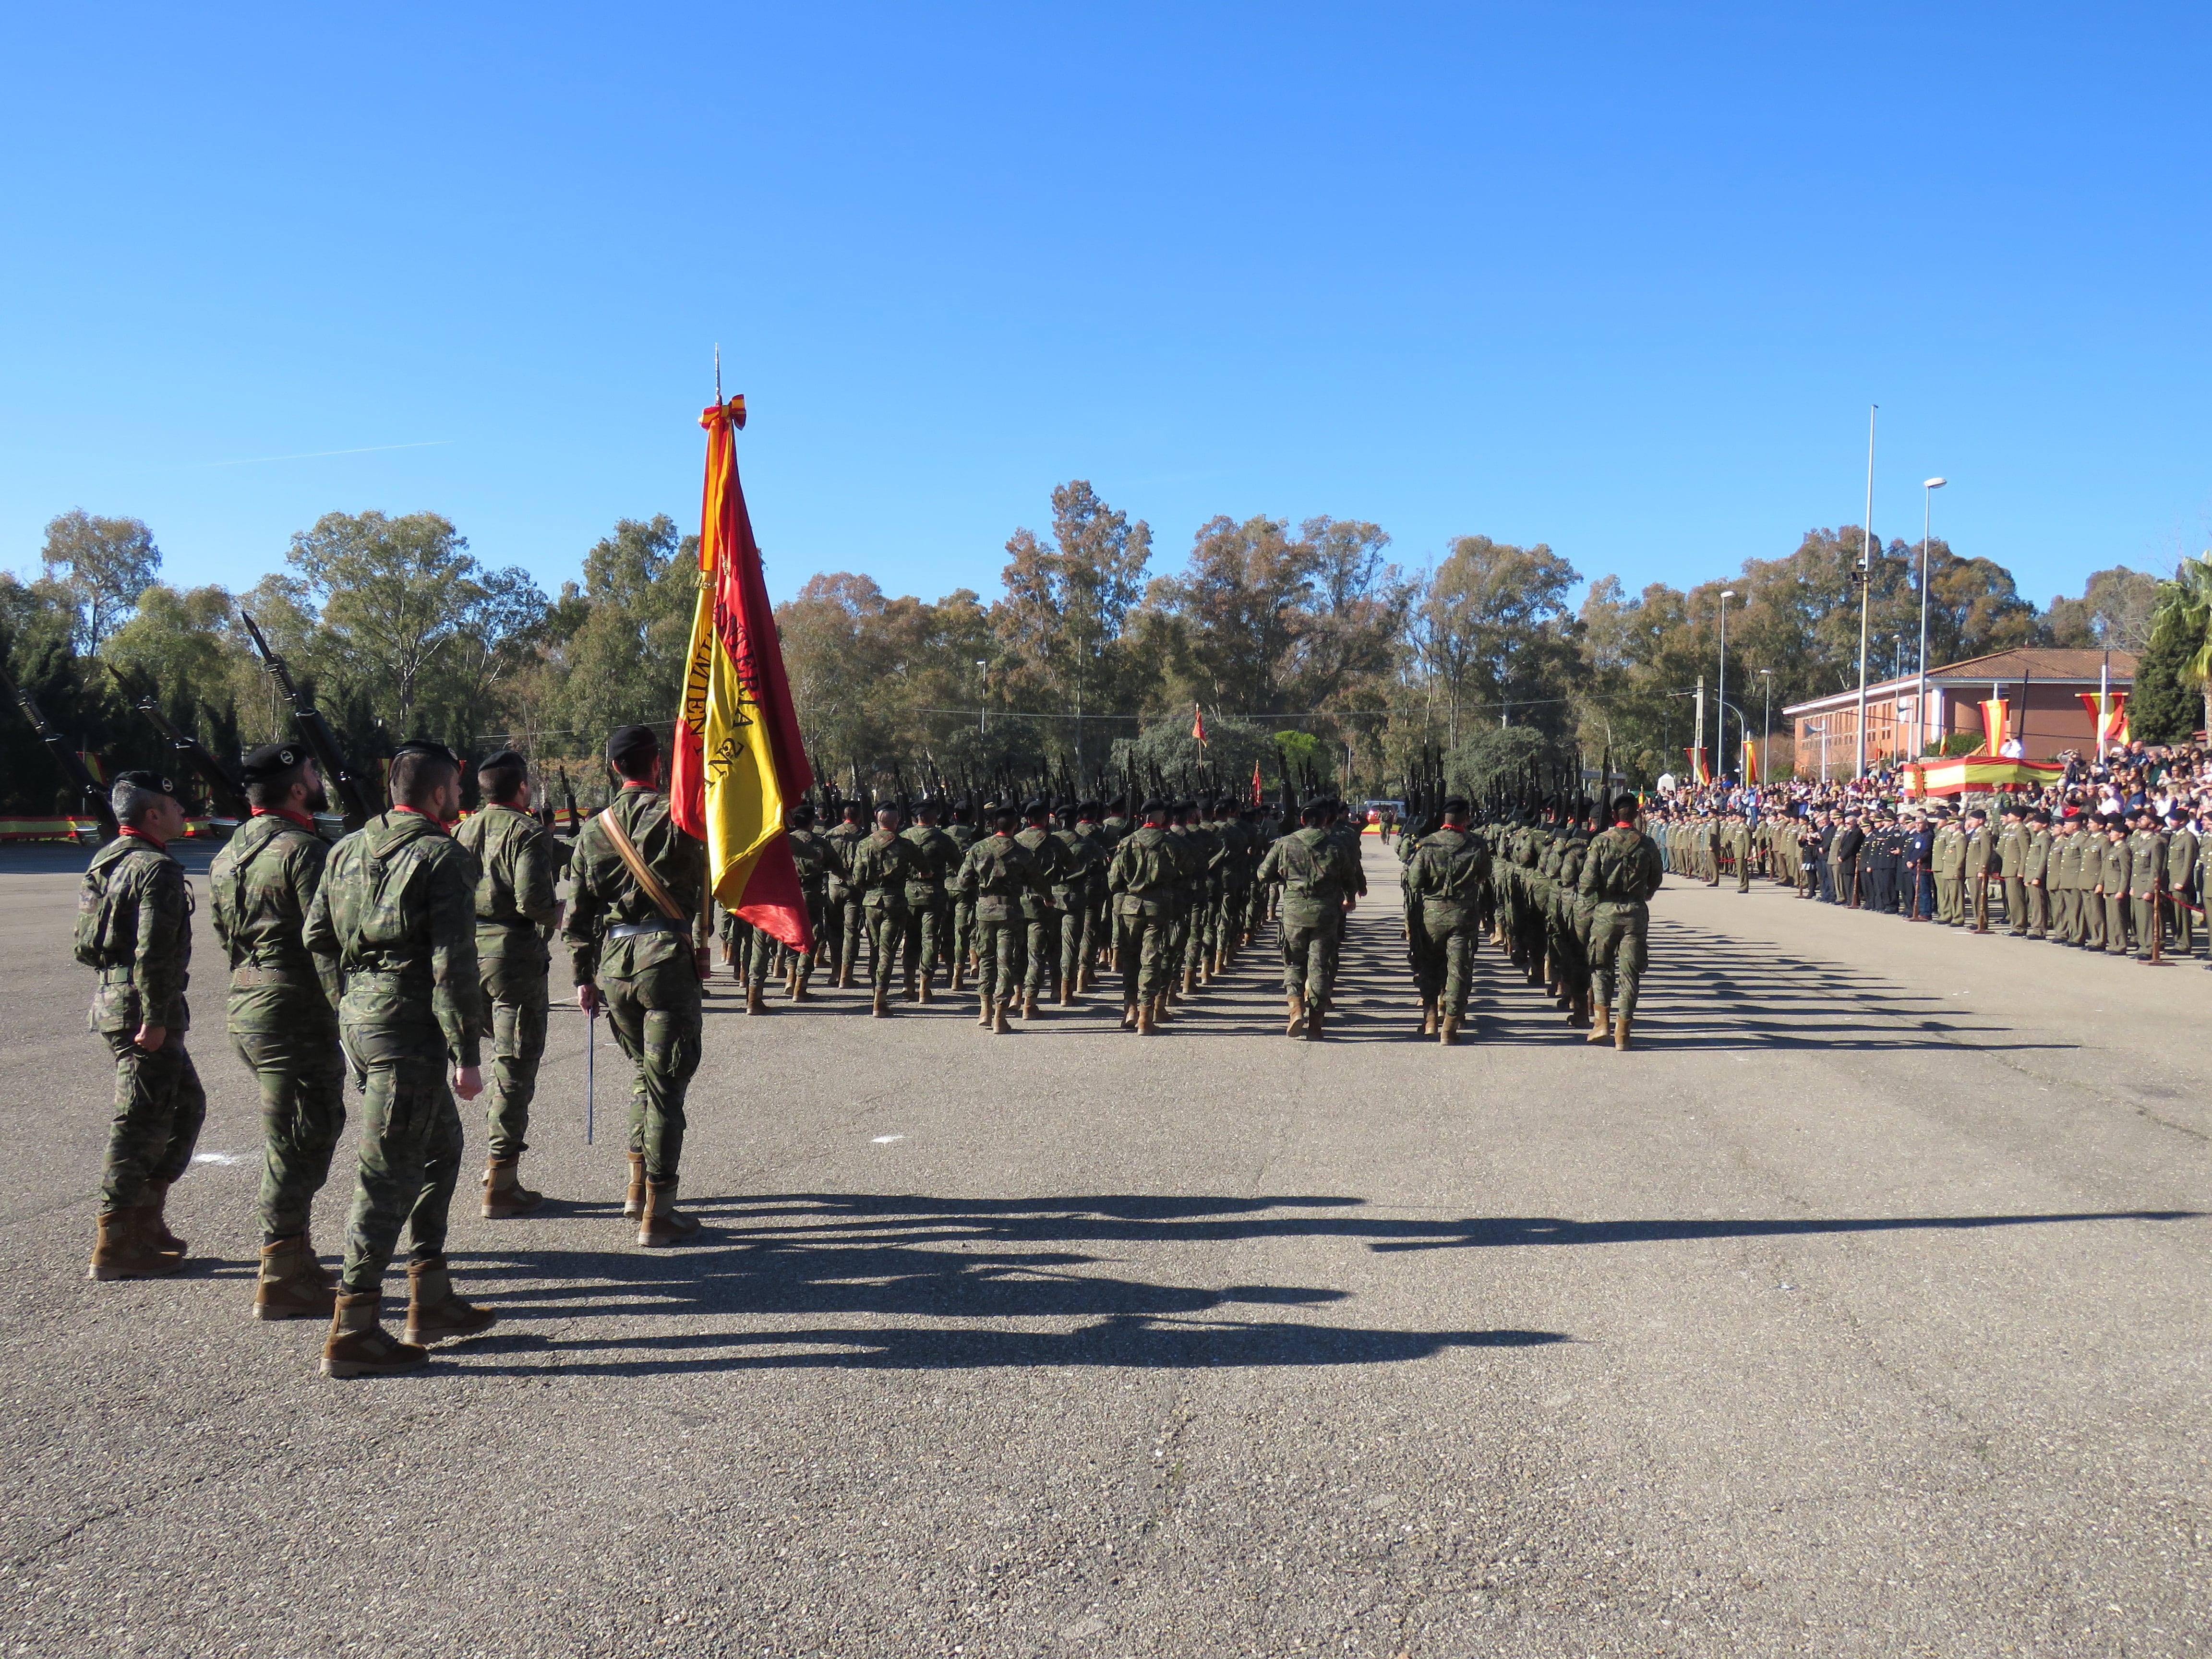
(569, 796)
(71, 761)
(317, 731)
(222, 788)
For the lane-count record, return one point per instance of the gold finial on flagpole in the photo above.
(718, 371)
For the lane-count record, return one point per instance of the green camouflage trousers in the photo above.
(997, 957)
(291, 1046)
(410, 1151)
(516, 994)
(656, 1020)
(886, 928)
(1445, 955)
(1041, 948)
(1075, 945)
(1616, 952)
(1309, 956)
(1140, 946)
(926, 937)
(159, 1108)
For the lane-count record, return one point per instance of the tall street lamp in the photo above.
(1928, 489)
(1866, 587)
(1720, 699)
(1766, 735)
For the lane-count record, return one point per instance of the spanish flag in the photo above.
(739, 760)
(2110, 711)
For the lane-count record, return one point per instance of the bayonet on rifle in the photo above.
(222, 789)
(71, 761)
(316, 731)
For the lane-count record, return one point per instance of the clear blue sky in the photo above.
(1623, 279)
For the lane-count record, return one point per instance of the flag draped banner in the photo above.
(2110, 711)
(1750, 767)
(738, 761)
(1996, 721)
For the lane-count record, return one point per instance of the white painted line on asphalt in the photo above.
(218, 1158)
(885, 1140)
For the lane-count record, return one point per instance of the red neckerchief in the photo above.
(632, 783)
(154, 841)
(420, 813)
(299, 818)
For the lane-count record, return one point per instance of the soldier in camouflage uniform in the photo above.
(810, 851)
(393, 929)
(998, 872)
(928, 931)
(630, 937)
(1084, 860)
(517, 868)
(1321, 884)
(1621, 872)
(1444, 877)
(1141, 880)
(881, 867)
(1042, 912)
(134, 924)
(846, 918)
(281, 1023)
(963, 832)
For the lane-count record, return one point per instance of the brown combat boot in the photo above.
(293, 1283)
(634, 1195)
(358, 1346)
(959, 974)
(663, 1224)
(798, 991)
(505, 1196)
(1161, 1003)
(1189, 981)
(999, 1016)
(929, 986)
(1296, 1001)
(157, 1224)
(983, 1010)
(121, 1249)
(434, 1312)
(755, 1000)
(1083, 981)
(1428, 1020)
(1146, 1024)
(1029, 1004)
(1620, 1033)
(1600, 1024)
(1447, 1033)
(881, 1007)
(1129, 1020)
(1313, 1022)
(1067, 992)
(913, 987)
(1578, 1015)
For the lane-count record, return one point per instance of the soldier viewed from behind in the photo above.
(392, 928)
(998, 872)
(283, 1022)
(1141, 880)
(882, 864)
(517, 865)
(638, 882)
(1321, 884)
(1621, 872)
(1445, 879)
(928, 931)
(134, 924)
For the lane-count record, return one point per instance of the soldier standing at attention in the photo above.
(1141, 880)
(1981, 859)
(2180, 872)
(1321, 885)
(639, 881)
(1621, 872)
(2112, 883)
(882, 865)
(2146, 876)
(2012, 866)
(1445, 879)
(517, 868)
(2063, 874)
(996, 874)
(1949, 857)
(393, 924)
(134, 923)
(2035, 874)
(928, 931)
(845, 910)
(283, 1024)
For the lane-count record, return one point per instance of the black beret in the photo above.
(271, 760)
(507, 760)
(427, 746)
(153, 781)
(631, 746)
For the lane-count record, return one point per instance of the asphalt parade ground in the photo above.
(1863, 1310)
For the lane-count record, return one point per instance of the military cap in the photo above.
(271, 760)
(427, 746)
(506, 758)
(631, 746)
(156, 782)
(1037, 807)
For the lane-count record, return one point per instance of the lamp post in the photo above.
(1866, 585)
(1720, 692)
(982, 692)
(1928, 489)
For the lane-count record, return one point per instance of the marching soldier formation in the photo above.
(415, 953)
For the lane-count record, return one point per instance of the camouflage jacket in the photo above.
(1082, 880)
(260, 887)
(517, 868)
(936, 859)
(605, 894)
(881, 868)
(1622, 867)
(840, 839)
(1446, 873)
(1318, 873)
(811, 853)
(1143, 872)
(134, 925)
(1055, 866)
(998, 872)
(394, 924)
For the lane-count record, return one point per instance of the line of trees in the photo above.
(1305, 640)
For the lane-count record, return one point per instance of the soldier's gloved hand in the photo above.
(468, 1082)
(589, 1000)
(148, 1039)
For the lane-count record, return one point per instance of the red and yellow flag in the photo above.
(2111, 719)
(1750, 768)
(739, 761)
(1198, 723)
(1996, 724)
